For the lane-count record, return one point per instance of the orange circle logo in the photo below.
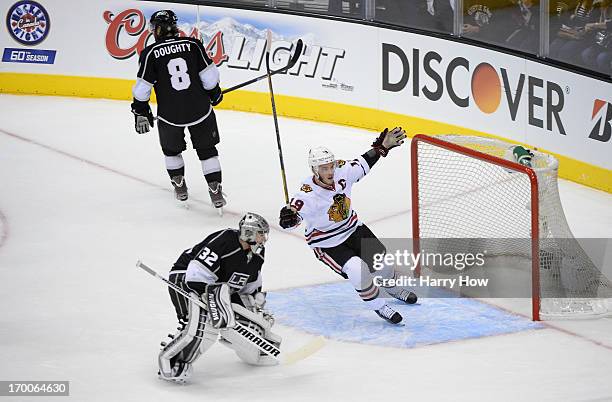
(486, 88)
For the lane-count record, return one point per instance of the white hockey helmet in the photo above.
(319, 156)
(250, 226)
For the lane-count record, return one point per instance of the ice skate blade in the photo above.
(183, 204)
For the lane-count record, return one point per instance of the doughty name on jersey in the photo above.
(171, 48)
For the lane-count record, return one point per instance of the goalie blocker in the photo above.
(221, 273)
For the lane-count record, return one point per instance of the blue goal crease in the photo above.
(335, 311)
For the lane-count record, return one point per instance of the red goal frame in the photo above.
(533, 180)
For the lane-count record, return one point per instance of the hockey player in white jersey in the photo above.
(333, 230)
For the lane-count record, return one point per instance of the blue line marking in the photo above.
(336, 312)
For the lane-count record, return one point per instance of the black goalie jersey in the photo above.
(180, 71)
(220, 258)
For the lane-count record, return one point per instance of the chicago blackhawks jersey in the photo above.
(328, 212)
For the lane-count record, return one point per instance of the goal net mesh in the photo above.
(470, 204)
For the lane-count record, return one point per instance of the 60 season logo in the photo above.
(28, 22)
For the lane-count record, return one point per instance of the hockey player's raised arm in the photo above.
(386, 141)
(359, 167)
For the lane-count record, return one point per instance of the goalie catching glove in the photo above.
(388, 140)
(143, 117)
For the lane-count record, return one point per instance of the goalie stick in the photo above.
(299, 47)
(258, 341)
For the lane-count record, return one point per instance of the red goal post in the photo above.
(495, 160)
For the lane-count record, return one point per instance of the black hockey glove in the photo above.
(143, 117)
(215, 95)
(288, 218)
(388, 140)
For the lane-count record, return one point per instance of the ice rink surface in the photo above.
(84, 197)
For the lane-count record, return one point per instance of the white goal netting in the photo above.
(469, 202)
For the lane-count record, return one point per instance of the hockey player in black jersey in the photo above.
(186, 83)
(225, 267)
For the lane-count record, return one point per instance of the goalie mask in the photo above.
(254, 230)
(163, 23)
(319, 156)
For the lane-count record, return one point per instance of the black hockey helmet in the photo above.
(163, 23)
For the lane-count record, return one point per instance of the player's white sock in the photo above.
(211, 165)
(360, 278)
(174, 162)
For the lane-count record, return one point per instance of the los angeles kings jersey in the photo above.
(328, 213)
(220, 258)
(180, 70)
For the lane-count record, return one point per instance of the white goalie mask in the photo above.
(254, 230)
(319, 156)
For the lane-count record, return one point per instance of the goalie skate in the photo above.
(181, 372)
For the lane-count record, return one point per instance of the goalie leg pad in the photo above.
(186, 347)
(244, 348)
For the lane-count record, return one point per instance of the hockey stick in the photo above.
(299, 47)
(259, 342)
(278, 140)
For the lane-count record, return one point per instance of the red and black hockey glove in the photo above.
(288, 218)
(388, 140)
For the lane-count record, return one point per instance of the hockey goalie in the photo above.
(224, 272)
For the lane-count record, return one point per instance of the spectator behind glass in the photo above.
(598, 56)
(526, 36)
(569, 41)
(489, 20)
(429, 15)
(437, 15)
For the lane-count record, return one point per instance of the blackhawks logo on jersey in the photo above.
(306, 188)
(339, 210)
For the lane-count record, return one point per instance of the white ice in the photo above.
(83, 197)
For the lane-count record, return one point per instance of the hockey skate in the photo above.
(217, 196)
(180, 188)
(181, 372)
(403, 295)
(389, 315)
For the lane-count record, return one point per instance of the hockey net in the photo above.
(468, 196)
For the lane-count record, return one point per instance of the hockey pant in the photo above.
(354, 260)
(362, 279)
